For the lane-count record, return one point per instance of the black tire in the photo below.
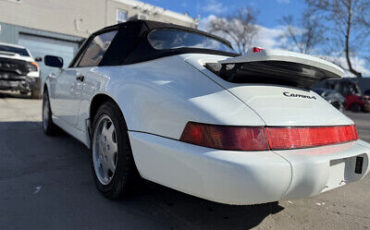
(356, 108)
(36, 91)
(48, 125)
(126, 176)
(35, 94)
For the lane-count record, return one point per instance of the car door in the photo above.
(64, 96)
(86, 68)
(64, 90)
(69, 87)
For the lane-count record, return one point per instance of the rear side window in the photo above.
(96, 49)
(165, 39)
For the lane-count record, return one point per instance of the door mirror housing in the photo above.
(38, 59)
(53, 61)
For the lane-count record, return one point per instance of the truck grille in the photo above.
(17, 67)
(10, 76)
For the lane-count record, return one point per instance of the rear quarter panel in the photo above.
(275, 103)
(162, 95)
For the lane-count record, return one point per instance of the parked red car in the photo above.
(355, 101)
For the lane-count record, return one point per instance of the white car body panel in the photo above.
(232, 177)
(240, 178)
(64, 98)
(315, 170)
(158, 98)
(153, 100)
(271, 105)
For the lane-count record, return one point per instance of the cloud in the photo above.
(283, 1)
(358, 64)
(203, 23)
(269, 38)
(266, 37)
(213, 7)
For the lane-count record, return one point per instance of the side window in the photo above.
(96, 49)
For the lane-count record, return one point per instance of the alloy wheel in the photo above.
(105, 150)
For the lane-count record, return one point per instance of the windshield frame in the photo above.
(15, 48)
(195, 49)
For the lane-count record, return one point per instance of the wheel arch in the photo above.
(44, 88)
(98, 100)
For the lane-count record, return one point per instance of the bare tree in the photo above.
(347, 21)
(240, 27)
(305, 35)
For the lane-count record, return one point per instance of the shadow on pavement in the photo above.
(6, 94)
(46, 183)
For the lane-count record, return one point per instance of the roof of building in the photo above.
(158, 10)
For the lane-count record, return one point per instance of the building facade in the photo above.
(57, 27)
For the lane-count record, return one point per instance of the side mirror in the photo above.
(53, 61)
(38, 59)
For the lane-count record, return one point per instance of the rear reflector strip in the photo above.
(265, 138)
(297, 137)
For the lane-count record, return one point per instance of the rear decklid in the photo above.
(288, 106)
(276, 85)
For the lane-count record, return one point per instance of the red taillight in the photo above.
(265, 138)
(298, 137)
(226, 137)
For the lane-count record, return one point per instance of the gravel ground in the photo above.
(46, 183)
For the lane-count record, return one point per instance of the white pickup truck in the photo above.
(18, 70)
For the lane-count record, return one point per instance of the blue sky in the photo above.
(269, 17)
(270, 11)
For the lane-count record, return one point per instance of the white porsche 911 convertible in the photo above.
(181, 108)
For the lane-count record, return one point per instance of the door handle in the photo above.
(80, 78)
(52, 75)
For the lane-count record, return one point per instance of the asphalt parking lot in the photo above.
(46, 183)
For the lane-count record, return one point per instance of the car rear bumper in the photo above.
(236, 177)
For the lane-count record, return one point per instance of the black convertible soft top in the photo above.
(131, 44)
